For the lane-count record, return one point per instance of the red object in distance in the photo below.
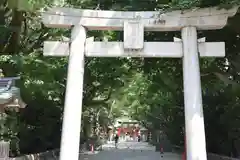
(119, 131)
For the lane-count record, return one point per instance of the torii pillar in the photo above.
(134, 24)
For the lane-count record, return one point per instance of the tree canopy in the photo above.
(147, 89)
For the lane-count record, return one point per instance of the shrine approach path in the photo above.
(130, 151)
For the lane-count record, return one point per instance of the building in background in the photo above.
(129, 129)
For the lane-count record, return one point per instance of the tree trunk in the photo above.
(14, 39)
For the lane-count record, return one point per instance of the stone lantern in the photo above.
(9, 99)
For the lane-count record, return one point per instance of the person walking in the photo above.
(139, 136)
(116, 138)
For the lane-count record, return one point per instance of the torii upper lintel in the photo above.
(203, 19)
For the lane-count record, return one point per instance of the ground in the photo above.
(129, 151)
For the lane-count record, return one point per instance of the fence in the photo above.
(210, 156)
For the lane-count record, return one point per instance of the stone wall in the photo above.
(212, 156)
(49, 155)
(54, 154)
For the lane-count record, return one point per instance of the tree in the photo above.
(148, 89)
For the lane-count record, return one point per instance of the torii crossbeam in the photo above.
(189, 48)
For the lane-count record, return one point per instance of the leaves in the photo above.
(147, 89)
(25, 5)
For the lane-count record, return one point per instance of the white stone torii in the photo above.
(133, 24)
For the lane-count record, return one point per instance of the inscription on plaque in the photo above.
(133, 35)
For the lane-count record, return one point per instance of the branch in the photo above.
(96, 102)
(42, 37)
(25, 30)
(206, 74)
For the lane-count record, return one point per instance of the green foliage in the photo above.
(149, 90)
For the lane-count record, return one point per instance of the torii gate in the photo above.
(133, 24)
